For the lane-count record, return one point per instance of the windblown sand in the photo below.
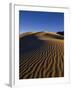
(41, 55)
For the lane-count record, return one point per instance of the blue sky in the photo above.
(34, 21)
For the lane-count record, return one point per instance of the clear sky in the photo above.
(34, 21)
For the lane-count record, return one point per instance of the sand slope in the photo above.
(41, 55)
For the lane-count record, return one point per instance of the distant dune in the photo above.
(61, 33)
(41, 55)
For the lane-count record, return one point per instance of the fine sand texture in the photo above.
(41, 55)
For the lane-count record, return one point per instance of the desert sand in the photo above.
(41, 55)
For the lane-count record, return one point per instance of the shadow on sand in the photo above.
(29, 43)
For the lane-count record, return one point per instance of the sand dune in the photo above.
(41, 55)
